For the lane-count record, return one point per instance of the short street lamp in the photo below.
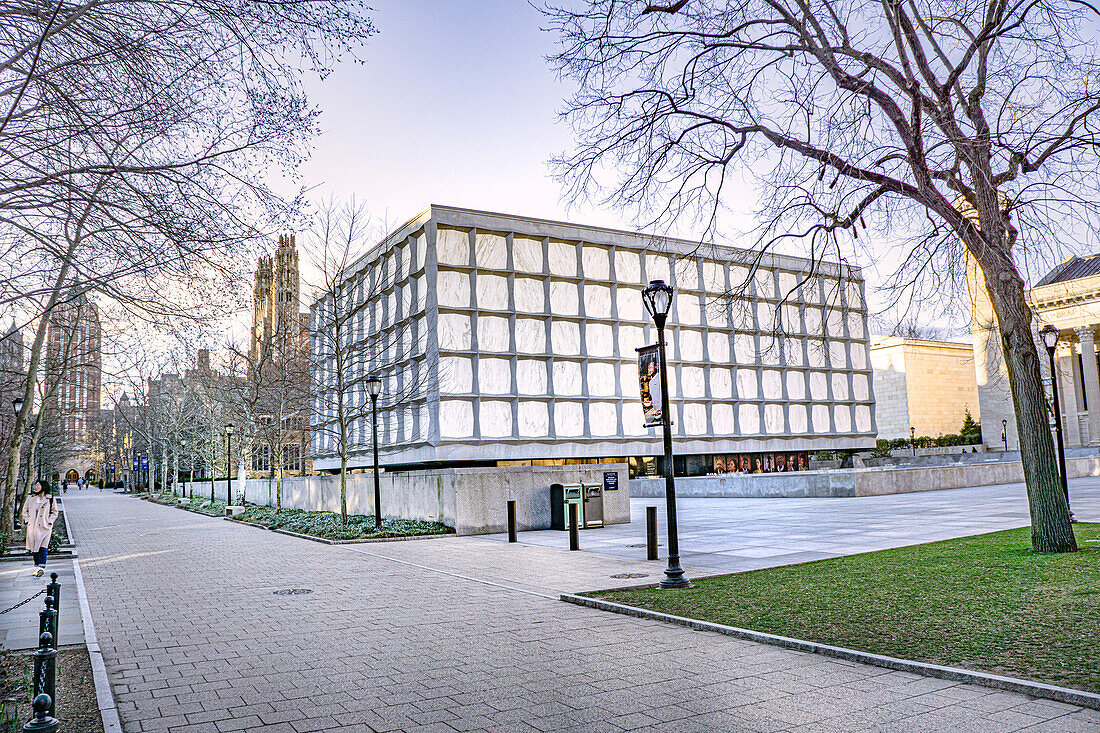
(1004, 433)
(374, 388)
(658, 300)
(229, 462)
(913, 439)
(1050, 340)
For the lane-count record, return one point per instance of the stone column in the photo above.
(1066, 362)
(1092, 381)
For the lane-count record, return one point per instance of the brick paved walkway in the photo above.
(195, 640)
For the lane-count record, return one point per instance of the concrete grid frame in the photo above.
(528, 330)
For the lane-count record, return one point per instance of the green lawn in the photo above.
(984, 603)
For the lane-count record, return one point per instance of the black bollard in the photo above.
(651, 533)
(45, 670)
(574, 530)
(512, 534)
(53, 588)
(47, 620)
(42, 722)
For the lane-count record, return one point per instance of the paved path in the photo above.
(196, 639)
(727, 535)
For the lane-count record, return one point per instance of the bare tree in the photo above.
(350, 342)
(954, 128)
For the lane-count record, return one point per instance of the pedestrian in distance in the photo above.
(39, 514)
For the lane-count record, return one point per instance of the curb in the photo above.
(105, 698)
(952, 674)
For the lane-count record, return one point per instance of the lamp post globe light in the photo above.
(913, 439)
(658, 301)
(374, 388)
(17, 405)
(1049, 335)
(1004, 433)
(229, 462)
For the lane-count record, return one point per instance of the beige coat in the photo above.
(39, 514)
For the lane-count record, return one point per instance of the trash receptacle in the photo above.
(593, 505)
(561, 496)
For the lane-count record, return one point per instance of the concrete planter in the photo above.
(232, 511)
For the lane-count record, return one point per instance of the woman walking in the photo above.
(39, 514)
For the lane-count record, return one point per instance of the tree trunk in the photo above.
(1051, 530)
(343, 489)
(279, 488)
(242, 478)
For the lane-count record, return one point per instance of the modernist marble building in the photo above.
(526, 331)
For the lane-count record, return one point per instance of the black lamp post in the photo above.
(1004, 433)
(913, 439)
(1050, 340)
(658, 300)
(374, 388)
(229, 462)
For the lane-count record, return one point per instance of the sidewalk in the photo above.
(210, 627)
(19, 628)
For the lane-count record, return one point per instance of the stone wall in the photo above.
(472, 500)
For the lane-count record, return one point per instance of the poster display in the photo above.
(649, 382)
(777, 462)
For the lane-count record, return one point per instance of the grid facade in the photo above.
(530, 330)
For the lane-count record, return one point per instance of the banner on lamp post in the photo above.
(649, 382)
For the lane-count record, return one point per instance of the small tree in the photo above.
(970, 426)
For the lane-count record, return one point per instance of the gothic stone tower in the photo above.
(275, 294)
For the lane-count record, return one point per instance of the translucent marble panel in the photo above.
(721, 383)
(529, 295)
(835, 323)
(455, 375)
(601, 379)
(860, 389)
(714, 278)
(797, 416)
(628, 378)
(630, 338)
(420, 251)
(854, 294)
(492, 292)
(530, 336)
(747, 386)
(840, 386)
(738, 277)
(491, 251)
(838, 354)
(564, 299)
(695, 418)
(721, 416)
(688, 309)
(527, 254)
(452, 247)
(531, 376)
(567, 377)
(774, 420)
(407, 425)
(629, 301)
(563, 258)
(863, 418)
(454, 332)
(792, 319)
(772, 384)
(718, 347)
(765, 316)
(765, 283)
(494, 376)
(820, 415)
(748, 417)
(657, 267)
(568, 419)
(815, 352)
(495, 417)
(843, 418)
(769, 350)
(744, 349)
(633, 420)
(597, 301)
(788, 285)
(796, 385)
(603, 418)
(739, 315)
(599, 340)
(595, 262)
(628, 268)
(691, 345)
(859, 355)
(813, 321)
(565, 337)
(456, 419)
(493, 334)
(534, 419)
(855, 325)
(404, 261)
(792, 351)
(694, 386)
(819, 386)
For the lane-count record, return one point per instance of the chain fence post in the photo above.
(42, 722)
(47, 621)
(45, 671)
(53, 589)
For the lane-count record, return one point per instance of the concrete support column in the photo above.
(1091, 380)
(1065, 361)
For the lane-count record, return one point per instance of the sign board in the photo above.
(649, 383)
(145, 463)
(610, 480)
(135, 464)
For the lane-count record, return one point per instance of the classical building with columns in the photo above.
(1068, 298)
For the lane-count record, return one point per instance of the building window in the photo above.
(292, 458)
